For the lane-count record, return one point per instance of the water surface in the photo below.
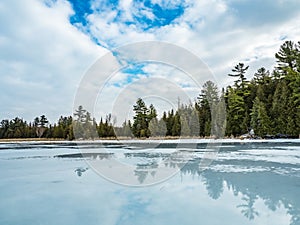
(248, 183)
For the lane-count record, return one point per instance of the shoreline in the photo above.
(145, 140)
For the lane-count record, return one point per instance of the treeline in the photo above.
(270, 102)
(38, 128)
(265, 106)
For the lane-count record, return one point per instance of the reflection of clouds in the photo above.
(256, 195)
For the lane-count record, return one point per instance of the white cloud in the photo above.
(42, 58)
(169, 4)
(210, 29)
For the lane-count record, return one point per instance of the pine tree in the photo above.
(43, 121)
(262, 76)
(80, 114)
(287, 58)
(239, 71)
(41, 125)
(82, 124)
(260, 121)
(140, 120)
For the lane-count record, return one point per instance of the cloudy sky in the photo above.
(48, 46)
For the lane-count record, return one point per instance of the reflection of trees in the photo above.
(295, 212)
(248, 208)
(141, 175)
(251, 185)
(275, 189)
(214, 186)
(79, 171)
(271, 204)
(142, 171)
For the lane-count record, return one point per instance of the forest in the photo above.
(267, 106)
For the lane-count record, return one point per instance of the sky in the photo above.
(48, 46)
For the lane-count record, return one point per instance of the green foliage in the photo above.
(260, 121)
(206, 100)
(141, 119)
(219, 117)
(280, 108)
(176, 125)
(124, 131)
(288, 58)
(235, 113)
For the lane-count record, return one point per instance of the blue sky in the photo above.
(46, 46)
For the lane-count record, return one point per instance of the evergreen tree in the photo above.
(82, 125)
(194, 123)
(58, 131)
(206, 100)
(280, 108)
(4, 128)
(152, 113)
(219, 117)
(80, 114)
(41, 125)
(109, 128)
(169, 121)
(262, 76)
(101, 129)
(140, 123)
(43, 121)
(153, 122)
(153, 128)
(287, 58)
(176, 126)
(209, 93)
(260, 121)
(235, 113)
(184, 124)
(162, 129)
(239, 71)
(36, 121)
(127, 129)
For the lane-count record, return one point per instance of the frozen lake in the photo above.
(150, 182)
